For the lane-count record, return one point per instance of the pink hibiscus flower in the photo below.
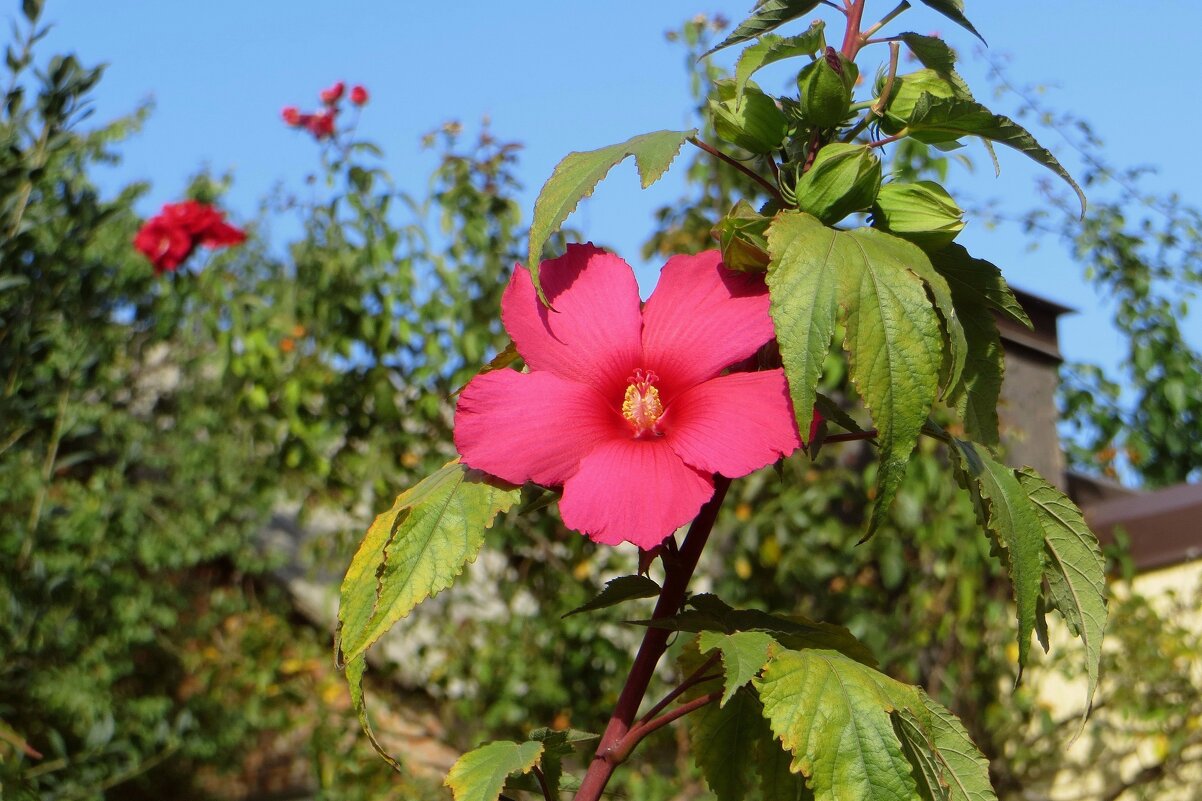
(625, 405)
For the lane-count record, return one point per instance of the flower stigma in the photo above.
(642, 407)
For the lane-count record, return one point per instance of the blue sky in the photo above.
(561, 76)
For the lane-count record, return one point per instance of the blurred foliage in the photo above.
(1141, 250)
(149, 426)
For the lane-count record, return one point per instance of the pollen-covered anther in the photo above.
(641, 406)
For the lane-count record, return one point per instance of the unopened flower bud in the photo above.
(826, 88)
(844, 178)
(753, 122)
(291, 115)
(358, 95)
(922, 212)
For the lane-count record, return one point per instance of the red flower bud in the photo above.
(358, 95)
(291, 115)
(333, 94)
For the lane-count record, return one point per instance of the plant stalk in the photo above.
(655, 642)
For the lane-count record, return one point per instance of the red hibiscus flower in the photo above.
(164, 243)
(626, 405)
(169, 238)
(358, 95)
(322, 125)
(333, 94)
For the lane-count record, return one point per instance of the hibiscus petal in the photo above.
(734, 424)
(531, 426)
(701, 319)
(630, 490)
(592, 337)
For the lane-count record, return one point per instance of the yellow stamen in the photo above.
(641, 406)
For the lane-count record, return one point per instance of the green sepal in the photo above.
(921, 212)
(844, 179)
(742, 238)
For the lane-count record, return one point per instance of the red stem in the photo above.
(851, 37)
(636, 735)
(655, 642)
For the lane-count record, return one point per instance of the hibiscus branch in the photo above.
(696, 677)
(752, 174)
(636, 735)
(542, 783)
(677, 573)
(852, 436)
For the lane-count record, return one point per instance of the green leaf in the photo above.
(833, 714)
(743, 655)
(724, 740)
(963, 769)
(953, 10)
(835, 413)
(1077, 572)
(943, 119)
(480, 775)
(577, 175)
(931, 51)
(921, 754)
(617, 590)
(416, 549)
(771, 48)
(777, 781)
(977, 288)
(769, 15)
(557, 744)
(1011, 518)
(710, 613)
(978, 278)
(893, 337)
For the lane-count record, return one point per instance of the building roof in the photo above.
(1164, 527)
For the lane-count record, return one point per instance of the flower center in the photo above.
(641, 407)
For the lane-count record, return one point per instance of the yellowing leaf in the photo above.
(416, 549)
(833, 714)
(743, 654)
(480, 775)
